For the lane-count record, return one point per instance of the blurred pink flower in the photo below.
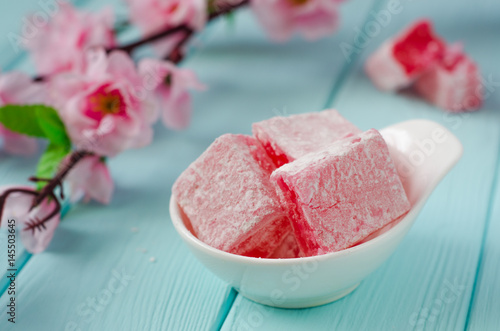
(171, 88)
(155, 15)
(59, 45)
(18, 88)
(17, 207)
(313, 19)
(90, 179)
(106, 109)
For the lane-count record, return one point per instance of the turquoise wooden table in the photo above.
(444, 276)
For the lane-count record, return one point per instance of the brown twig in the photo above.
(177, 54)
(46, 193)
(154, 37)
(38, 223)
(48, 189)
(226, 9)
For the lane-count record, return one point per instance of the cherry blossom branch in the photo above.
(38, 223)
(222, 10)
(48, 191)
(176, 55)
(154, 37)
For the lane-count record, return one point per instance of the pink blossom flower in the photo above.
(60, 45)
(106, 109)
(172, 86)
(90, 179)
(311, 18)
(17, 207)
(155, 15)
(18, 88)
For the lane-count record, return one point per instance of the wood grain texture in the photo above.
(483, 312)
(427, 284)
(94, 243)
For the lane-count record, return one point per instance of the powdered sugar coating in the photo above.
(384, 71)
(229, 200)
(402, 59)
(288, 248)
(288, 138)
(338, 196)
(454, 84)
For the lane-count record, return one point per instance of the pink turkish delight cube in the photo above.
(454, 84)
(229, 200)
(289, 138)
(288, 248)
(340, 195)
(402, 59)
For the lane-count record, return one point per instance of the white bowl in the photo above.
(424, 152)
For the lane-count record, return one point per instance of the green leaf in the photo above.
(51, 124)
(230, 19)
(21, 119)
(36, 121)
(49, 162)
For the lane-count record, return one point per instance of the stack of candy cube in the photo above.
(442, 74)
(304, 185)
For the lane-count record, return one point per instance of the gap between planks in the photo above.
(495, 187)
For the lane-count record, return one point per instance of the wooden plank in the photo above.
(246, 84)
(483, 312)
(427, 283)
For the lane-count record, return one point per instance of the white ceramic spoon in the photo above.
(423, 151)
